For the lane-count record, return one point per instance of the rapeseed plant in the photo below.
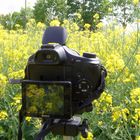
(119, 113)
(135, 96)
(3, 81)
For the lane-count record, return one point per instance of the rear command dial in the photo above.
(84, 86)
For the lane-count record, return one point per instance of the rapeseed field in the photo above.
(115, 115)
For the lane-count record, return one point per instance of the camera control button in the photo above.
(84, 86)
(78, 75)
(89, 55)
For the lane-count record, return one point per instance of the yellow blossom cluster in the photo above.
(119, 113)
(78, 15)
(17, 74)
(114, 63)
(136, 116)
(87, 26)
(135, 96)
(96, 16)
(3, 81)
(16, 104)
(138, 58)
(135, 2)
(40, 25)
(54, 23)
(104, 103)
(128, 77)
(137, 138)
(3, 115)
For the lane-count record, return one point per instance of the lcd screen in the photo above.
(43, 99)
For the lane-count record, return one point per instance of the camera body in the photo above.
(60, 83)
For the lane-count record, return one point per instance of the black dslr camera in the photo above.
(60, 83)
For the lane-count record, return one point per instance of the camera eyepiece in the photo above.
(55, 34)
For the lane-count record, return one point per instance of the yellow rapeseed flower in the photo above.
(17, 26)
(100, 25)
(129, 78)
(106, 97)
(17, 74)
(137, 138)
(124, 113)
(3, 81)
(136, 116)
(32, 20)
(137, 58)
(137, 111)
(31, 24)
(89, 137)
(3, 115)
(135, 96)
(41, 25)
(100, 123)
(135, 2)
(28, 119)
(96, 16)
(114, 63)
(110, 9)
(17, 102)
(66, 22)
(87, 26)
(78, 15)
(75, 27)
(55, 22)
(115, 114)
(119, 113)
(1, 63)
(104, 103)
